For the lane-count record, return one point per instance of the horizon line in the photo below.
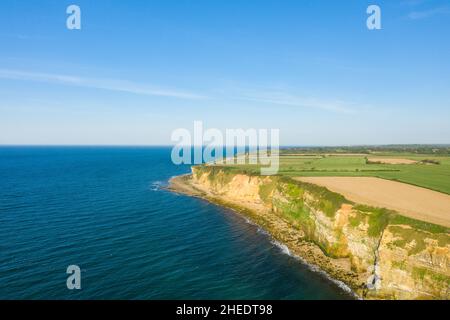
(224, 146)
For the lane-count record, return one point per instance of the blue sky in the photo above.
(137, 70)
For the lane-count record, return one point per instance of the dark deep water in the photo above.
(104, 210)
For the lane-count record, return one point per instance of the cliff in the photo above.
(378, 253)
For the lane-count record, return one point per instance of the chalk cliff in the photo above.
(378, 253)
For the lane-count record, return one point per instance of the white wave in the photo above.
(262, 231)
(258, 228)
(284, 249)
(156, 185)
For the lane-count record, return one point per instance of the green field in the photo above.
(314, 162)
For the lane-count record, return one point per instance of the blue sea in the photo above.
(105, 209)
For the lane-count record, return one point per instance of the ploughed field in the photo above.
(414, 202)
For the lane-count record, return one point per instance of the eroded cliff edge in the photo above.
(378, 253)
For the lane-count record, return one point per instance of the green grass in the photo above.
(416, 224)
(433, 176)
(378, 219)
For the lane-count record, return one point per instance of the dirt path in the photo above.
(415, 202)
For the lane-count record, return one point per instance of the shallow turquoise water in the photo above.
(104, 210)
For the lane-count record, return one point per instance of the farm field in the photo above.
(431, 171)
(411, 201)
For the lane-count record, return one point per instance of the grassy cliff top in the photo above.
(428, 167)
(329, 202)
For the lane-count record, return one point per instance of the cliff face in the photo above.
(378, 253)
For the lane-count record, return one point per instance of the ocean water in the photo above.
(105, 210)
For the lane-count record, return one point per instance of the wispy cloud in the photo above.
(22, 36)
(287, 99)
(98, 83)
(424, 14)
(413, 2)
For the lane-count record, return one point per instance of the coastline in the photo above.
(282, 235)
(377, 253)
